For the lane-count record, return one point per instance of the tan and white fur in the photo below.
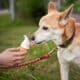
(59, 27)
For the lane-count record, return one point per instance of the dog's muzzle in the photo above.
(33, 40)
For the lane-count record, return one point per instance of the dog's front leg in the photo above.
(64, 70)
(64, 67)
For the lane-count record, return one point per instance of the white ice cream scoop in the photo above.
(25, 43)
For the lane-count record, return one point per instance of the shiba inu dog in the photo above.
(65, 32)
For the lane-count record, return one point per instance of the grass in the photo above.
(11, 35)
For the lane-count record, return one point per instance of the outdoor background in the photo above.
(25, 21)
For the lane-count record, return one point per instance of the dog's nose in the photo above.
(33, 38)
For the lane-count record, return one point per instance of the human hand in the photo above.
(12, 57)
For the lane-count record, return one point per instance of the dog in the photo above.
(65, 32)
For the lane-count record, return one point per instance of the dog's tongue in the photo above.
(32, 43)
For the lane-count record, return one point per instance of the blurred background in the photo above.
(19, 17)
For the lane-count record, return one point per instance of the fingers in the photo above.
(19, 58)
(13, 49)
(16, 52)
(13, 56)
(20, 53)
(18, 62)
(14, 63)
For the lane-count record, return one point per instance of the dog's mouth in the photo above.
(40, 42)
(34, 42)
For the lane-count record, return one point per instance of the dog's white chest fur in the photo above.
(65, 56)
(70, 55)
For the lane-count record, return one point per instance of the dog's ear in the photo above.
(51, 6)
(69, 29)
(65, 15)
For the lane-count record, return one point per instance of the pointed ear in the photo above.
(51, 6)
(65, 15)
(67, 12)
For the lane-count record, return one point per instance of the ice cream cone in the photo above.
(25, 45)
(23, 49)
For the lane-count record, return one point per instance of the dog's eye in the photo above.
(45, 28)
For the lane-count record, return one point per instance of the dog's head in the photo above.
(54, 26)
